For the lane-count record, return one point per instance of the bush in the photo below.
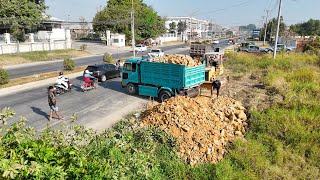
(69, 64)
(107, 57)
(83, 47)
(4, 76)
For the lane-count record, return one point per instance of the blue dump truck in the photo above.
(161, 80)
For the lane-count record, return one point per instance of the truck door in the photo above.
(130, 74)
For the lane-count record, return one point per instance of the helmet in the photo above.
(60, 73)
(86, 71)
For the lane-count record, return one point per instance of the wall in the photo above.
(121, 40)
(27, 47)
(169, 37)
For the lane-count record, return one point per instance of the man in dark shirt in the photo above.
(53, 103)
(216, 84)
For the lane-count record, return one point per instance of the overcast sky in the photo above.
(224, 12)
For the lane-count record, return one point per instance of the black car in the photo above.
(104, 71)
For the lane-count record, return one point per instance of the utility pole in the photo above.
(266, 27)
(132, 30)
(277, 33)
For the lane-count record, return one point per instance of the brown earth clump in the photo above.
(202, 126)
(180, 59)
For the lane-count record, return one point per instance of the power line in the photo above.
(229, 7)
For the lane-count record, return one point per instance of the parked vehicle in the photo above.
(216, 42)
(156, 53)
(161, 80)
(244, 46)
(200, 49)
(140, 48)
(280, 47)
(104, 71)
(254, 49)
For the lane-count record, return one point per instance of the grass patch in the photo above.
(38, 77)
(283, 141)
(12, 59)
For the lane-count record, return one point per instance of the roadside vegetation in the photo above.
(27, 57)
(282, 142)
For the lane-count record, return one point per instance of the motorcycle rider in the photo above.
(88, 78)
(64, 81)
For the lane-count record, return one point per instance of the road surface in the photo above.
(98, 109)
(55, 66)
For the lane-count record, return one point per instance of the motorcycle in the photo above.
(86, 86)
(63, 85)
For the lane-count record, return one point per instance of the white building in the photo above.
(196, 27)
(118, 40)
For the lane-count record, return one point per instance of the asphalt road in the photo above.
(55, 66)
(98, 109)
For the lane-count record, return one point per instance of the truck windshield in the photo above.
(130, 67)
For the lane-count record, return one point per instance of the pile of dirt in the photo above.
(202, 126)
(180, 59)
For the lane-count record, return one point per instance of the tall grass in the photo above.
(283, 142)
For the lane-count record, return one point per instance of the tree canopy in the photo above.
(116, 17)
(19, 15)
(182, 27)
(272, 27)
(173, 27)
(249, 27)
(309, 28)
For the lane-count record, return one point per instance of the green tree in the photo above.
(309, 28)
(172, 27)
(271, 29)
(116, 17)
(21, 15)
(182, 27)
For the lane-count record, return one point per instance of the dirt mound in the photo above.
(179, 59)
(202, 126)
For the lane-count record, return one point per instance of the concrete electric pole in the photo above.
(266, 27)
(132, 30)
(277, 33)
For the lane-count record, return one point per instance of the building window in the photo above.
(115, 40)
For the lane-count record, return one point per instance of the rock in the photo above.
(203, 127)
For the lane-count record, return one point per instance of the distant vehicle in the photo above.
(104, 71)
(156, 53)
(253, 49)
(244, 46)
(216, 42)
(140, 48)
(280, 47)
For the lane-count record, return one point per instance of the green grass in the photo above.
(283, 142)
(35, 56)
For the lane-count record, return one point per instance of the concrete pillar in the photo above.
(31, 37)
(108, 38)
(51, 42)
(7, 38)
(68, 39)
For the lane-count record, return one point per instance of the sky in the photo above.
(224, 12)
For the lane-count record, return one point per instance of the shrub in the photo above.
(83, 47)
(107, 57)
(4, 76)
(69, 64)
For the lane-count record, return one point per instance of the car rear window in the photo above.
(155, 50)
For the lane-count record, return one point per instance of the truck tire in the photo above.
(132, 89)
(164, 95)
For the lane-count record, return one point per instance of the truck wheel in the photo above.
(103, 78)
(131, 88)
(164, 95)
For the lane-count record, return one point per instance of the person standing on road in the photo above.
(216, 84)
(53, 103)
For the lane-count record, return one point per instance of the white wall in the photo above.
(120, 38)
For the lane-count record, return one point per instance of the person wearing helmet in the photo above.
(62, 78)
(87, 78)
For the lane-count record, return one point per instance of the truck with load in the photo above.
(161, 80)
(199, 49)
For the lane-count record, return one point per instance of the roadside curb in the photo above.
(28, 86)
